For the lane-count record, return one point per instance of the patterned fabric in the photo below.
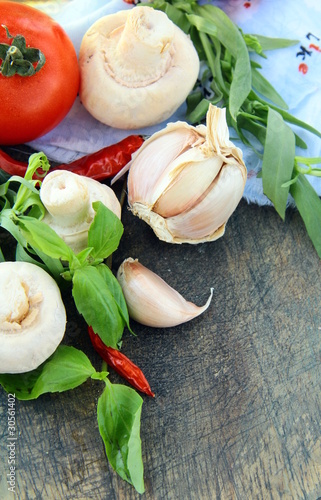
(295, 72)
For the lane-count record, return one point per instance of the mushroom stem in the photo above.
(65, 197)
(14, 305)
(144, 43)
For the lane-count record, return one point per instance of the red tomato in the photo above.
(31, 106)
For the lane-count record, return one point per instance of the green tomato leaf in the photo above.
(309, 206)
(66, 369)
(105, 231)
(118, 413)
(96, 303)
(278, 160)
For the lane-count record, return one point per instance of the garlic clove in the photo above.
(192, 178)
(159, 151)
(151, 301)
(206, 221)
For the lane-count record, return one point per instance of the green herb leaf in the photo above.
(41, 237)
(105, 231)
(118, 413)
(261, 85)
(98, 306)
(272, 43)
(309, 206)
(278, 160)
(230, 37)
(202, 24)
(116, 291)
(66, 369)
(7, 219)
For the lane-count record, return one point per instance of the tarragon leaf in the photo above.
(309, 205)
(278, 160)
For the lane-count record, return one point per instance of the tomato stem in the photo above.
(18, 59)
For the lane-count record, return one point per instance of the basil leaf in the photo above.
(66, 369)
(278, 160)
(41, 237)
(309, 205)
(118, 413)
(96, 303)
(21, 384)
(105, 231)
(116, 291)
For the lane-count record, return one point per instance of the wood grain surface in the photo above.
(237, 407)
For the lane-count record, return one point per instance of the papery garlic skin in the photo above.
(32, 316)
(186, 181)
(68, 198)
(151, 301)
(137, 67)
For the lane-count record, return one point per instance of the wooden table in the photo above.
(237, 407)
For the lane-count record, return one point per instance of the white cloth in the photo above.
(79, 133)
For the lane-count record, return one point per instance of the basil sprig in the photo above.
(96, 291)
(98, 297)
(118, 410)
(231, 79)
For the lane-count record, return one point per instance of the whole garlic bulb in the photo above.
(186, 181)
(137, 67)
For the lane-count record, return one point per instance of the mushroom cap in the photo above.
(32, 316)
(137, 67)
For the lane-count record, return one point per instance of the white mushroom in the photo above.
(68, 198)
(137, 67)
(32, 316)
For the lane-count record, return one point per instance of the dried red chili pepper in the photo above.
(106, 162)
(12, 166)
(121, 364)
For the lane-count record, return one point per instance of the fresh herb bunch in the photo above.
(97, 296)
(231, 79)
